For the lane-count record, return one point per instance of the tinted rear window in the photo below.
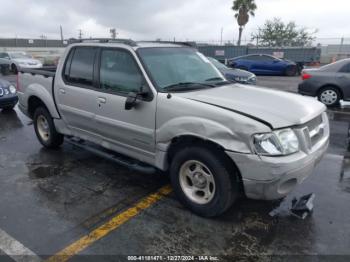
(81, 66)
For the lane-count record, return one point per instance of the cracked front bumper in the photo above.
(269, 178)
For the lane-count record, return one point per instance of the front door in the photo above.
(131, 132)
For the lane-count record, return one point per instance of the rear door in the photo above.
(343, 80)
(131, 132)
(266, 65)
(76, 94)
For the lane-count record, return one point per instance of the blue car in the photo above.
(264, 65)
(234, 74)
(8, 95)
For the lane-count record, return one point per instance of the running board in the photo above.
(117, 158)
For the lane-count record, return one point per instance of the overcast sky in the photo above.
(151, 19)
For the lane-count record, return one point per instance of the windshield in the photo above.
(217, 64)
(19, 55)
(169, 66)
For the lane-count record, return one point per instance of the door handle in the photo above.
(62, 91)
(102, 100)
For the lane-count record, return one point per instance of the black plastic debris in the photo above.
(303, 206)
(299, 208)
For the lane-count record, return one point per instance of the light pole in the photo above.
(222, 32)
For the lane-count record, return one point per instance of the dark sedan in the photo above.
(8, 95)
(234, 75)
(265, 65)
(330, 83)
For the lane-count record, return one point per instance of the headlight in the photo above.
(280, 142)
(12, 89)
(252, 80)
(241, 79)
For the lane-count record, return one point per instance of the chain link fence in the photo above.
(331, 49)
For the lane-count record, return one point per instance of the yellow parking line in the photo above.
(109, 226)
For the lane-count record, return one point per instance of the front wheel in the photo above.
(45, 129)
(329, 96)
(204, 181)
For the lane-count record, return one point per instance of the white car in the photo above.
(20, 60)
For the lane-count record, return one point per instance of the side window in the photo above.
(251, 58)
(267, 58)
(80, 66)
(254, 58)
(3, 55)
(345, 69)
(119, 72)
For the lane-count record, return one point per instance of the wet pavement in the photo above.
(50, 198)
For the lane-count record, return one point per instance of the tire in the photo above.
(45, 129)
(291, 71)
(222, 182)
(330, 96)
(14, 69)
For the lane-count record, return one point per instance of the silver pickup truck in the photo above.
(162, 106)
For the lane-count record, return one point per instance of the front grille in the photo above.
(315, 130)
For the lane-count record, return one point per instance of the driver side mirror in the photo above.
(132, 97)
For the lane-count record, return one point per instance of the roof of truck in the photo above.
(130, 43)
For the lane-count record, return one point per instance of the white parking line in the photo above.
(15, 249)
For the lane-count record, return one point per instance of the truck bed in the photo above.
(38, 83)
(48, 71)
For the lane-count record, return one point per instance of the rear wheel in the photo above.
(330, 96)
(45, 129)
(203, 180)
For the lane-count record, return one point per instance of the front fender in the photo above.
(202, 128)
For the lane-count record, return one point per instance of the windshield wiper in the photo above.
(215, 79)
(220, 83)
(186, 86)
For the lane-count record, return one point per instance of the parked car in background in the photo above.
(234, 74)
(20, 60)
(264, 65)
(4, 66)
(330, 83)
(8, 95)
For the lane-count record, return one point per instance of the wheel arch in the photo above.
(35, 102)
(181, 141)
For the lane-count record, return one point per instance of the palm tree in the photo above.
(244, 9)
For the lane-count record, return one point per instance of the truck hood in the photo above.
(274, 108)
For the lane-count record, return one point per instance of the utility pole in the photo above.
(113, 33)
(61, 32)
(222, 32)
(80, 34)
